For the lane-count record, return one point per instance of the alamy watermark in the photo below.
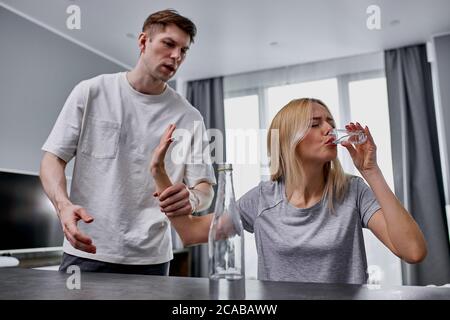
(74, 281)
(200, 146)
(373, 21)
(73, 21)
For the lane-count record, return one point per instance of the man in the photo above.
(112, 123)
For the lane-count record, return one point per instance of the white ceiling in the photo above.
(235, 36)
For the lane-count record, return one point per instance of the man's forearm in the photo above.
(53, 180)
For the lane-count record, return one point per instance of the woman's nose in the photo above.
(328, 128)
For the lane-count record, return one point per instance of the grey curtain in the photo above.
(207, 96)
(416, 162)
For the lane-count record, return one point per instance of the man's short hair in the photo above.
(160, 19)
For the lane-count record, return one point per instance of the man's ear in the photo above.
(142, 39)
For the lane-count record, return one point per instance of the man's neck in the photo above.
(145, 83)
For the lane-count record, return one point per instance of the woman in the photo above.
(308, 218)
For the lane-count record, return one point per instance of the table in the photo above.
(21, 283)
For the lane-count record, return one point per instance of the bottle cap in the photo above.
(224, 166)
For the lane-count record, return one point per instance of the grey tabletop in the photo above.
(21, 283)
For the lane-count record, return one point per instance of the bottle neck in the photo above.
(225, 191)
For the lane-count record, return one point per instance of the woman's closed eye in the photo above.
(317, 124)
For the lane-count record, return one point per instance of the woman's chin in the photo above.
(331, 156)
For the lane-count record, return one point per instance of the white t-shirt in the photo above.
(112, 130)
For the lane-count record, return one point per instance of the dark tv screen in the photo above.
(27, 217)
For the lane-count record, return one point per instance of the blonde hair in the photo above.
(291, 124)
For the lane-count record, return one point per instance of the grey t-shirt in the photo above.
(311, 244)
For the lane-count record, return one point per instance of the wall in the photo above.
(38, 69)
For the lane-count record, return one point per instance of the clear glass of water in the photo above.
(354, 137)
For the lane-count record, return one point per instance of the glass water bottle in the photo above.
(226, 242)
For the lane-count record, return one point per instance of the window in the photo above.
(360, 96)
(369, 106)
(326, 90)
(242, 150)
(242, 141)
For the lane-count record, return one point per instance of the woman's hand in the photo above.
(157, 161)
(157, 166)
(364, 155)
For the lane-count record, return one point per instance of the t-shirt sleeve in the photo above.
(366, 202)
(63, 138)
(199, 166)
(248, 206)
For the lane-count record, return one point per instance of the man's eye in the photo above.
(169, 44)
(315, 125)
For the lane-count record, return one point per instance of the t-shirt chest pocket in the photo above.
(101, 138)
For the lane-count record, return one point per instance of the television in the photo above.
(28, 221)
